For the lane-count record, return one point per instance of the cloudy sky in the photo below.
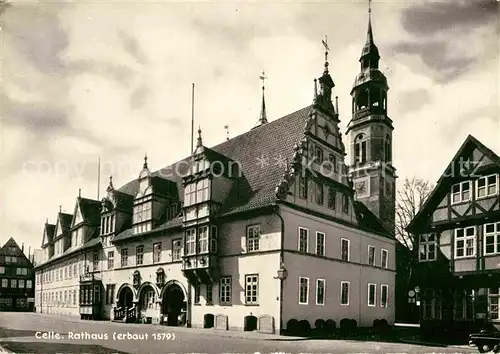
(113, 79)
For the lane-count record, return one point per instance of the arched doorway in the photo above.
(174, 305)
(125, 297)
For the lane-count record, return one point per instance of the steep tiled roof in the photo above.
(65, 220)
(5, 249)
(257, 152)
(91, 211)
(367, 220)
(49, 233)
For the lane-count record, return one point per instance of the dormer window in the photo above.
(196, 192)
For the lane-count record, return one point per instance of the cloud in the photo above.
(132, 47)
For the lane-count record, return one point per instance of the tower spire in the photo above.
(263, 114)
(369, 55)
(323, 99)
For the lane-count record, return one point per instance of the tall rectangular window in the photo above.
(176, 249)
(333, 162)
(384, 258)
(462, 304)
(21, 284)
(319, 193)
(427, 247)
(303, 239)
(191, 241)
(197, 292)
(95, 262)
(253, 238)
(320, 243)
(345, 203)
(111, 260)
(124, 257)
(494, 303)
(344, 293)
(460, 192)
(431, 304)
(139, 255)
(13, 283)
(371, 255)
(5, 283)
(252, 289)
(372, 294)
(157, 252)
(29, 284)
(320, 291)
(492, 238)
(384, 295)
(210, 289)
(332, 197)
(487, 186)
(225, 290)
(303, 291)
(303, 187)
(345, 249)
(465, 242)
(203, 239)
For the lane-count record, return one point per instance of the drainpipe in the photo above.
(282, 273)
(41, 290)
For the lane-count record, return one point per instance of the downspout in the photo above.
(41, 290)
(282, 265)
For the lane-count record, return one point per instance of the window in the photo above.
(74, 297)
(388, 149)
(111, 259)
(344, 247)
(124, 260)
(319, 193)
(384, 258)
(462, 304)
(333, 162)
(176, 249)
(320, 243)
(252, 289)
(70, 271)
(303, 239)
(95, 263)
(332, 197)
(191, 241)
(210, 290)
(460, 192)
(344, 293)
(320, 291)
(196, 192)
(303, 291)
(372, 294)
(487, 186)
(371, 255)
(5, 283)
(157, 252)
(303, 187)
(139, 255)
(318, 155)
(29, 284)
(360, 149)
(345, 203)
(427, 247)
(213, 239)
(203, 239)
(431, 304)
(493, 303)
(18, 271)
(197, 292)
(21, 284)
(492, 238)
(465, 242)
(225, 290)
(13, 283)
(253, 238)
(384, 295)
(148, 299)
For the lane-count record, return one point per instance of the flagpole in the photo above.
(192, 120)
(98, 175)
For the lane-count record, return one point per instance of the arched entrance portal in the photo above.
(126, 297)
(174, 305)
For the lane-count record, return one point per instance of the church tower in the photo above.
(370, 133)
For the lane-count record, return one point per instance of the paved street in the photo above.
(18, 333)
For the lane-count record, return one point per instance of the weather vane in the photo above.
(263, 77)
(327, 49)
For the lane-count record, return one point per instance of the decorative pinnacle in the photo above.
(263, 114)
(145, 160)
(60, 208)
(200, 142)
(79, 192)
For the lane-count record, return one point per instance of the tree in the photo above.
(410, 199)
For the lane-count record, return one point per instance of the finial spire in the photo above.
(327, 49)
(145, 160)
(60, 208)
(199, 142)
(79, 192)
(227, 131)
(46, 220)
(263, 114)
(110, 186)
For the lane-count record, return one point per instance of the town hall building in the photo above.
(259, 232)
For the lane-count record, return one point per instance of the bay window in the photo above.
(190, 241)
(203, 239)
(196, 192)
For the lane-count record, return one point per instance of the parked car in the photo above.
(486, 341)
